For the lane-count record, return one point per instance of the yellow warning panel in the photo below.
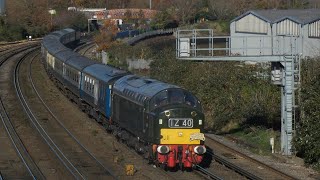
(179, 136)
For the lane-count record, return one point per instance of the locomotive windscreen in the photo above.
(174, 96)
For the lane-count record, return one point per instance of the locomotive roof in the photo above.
(138, 88)
(103, 72)
(79, 62)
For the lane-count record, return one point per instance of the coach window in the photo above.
(74, 76)
(92, 88)
(77, 76)
(85, 83)
(89, 85)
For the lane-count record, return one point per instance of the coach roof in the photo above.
(79, 62)
(103, 72)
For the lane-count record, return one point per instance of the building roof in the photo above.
(301, 16)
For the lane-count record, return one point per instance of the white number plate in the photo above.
(180, 123)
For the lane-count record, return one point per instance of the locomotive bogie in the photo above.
(178, 155)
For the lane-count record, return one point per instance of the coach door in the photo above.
(96, 91)
(108, 100)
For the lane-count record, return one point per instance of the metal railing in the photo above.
(195, 43)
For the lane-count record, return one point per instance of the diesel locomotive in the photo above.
(161, 121)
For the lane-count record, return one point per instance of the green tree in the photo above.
(161, 19)
(307, 139)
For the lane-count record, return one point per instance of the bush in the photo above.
(231, 94)
(307, 139)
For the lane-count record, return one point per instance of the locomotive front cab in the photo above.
(179, 131)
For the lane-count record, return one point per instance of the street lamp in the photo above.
(52, 12)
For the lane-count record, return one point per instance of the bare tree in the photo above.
(31, 15)
(185, 10)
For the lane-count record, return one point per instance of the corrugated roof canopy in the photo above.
(301, 16)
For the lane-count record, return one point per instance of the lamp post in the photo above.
(52, 12)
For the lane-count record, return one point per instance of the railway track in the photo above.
(234, 167)
(16, 46)
(206, 173)
(84, 48)
(74, 156)
(242, 163)
(31, 169)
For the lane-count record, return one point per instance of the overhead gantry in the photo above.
(281, 51)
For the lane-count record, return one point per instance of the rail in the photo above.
(222, 160)
(92, 157)
(207, 173)
(72, 169)
(22, 152)
(234, 167)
